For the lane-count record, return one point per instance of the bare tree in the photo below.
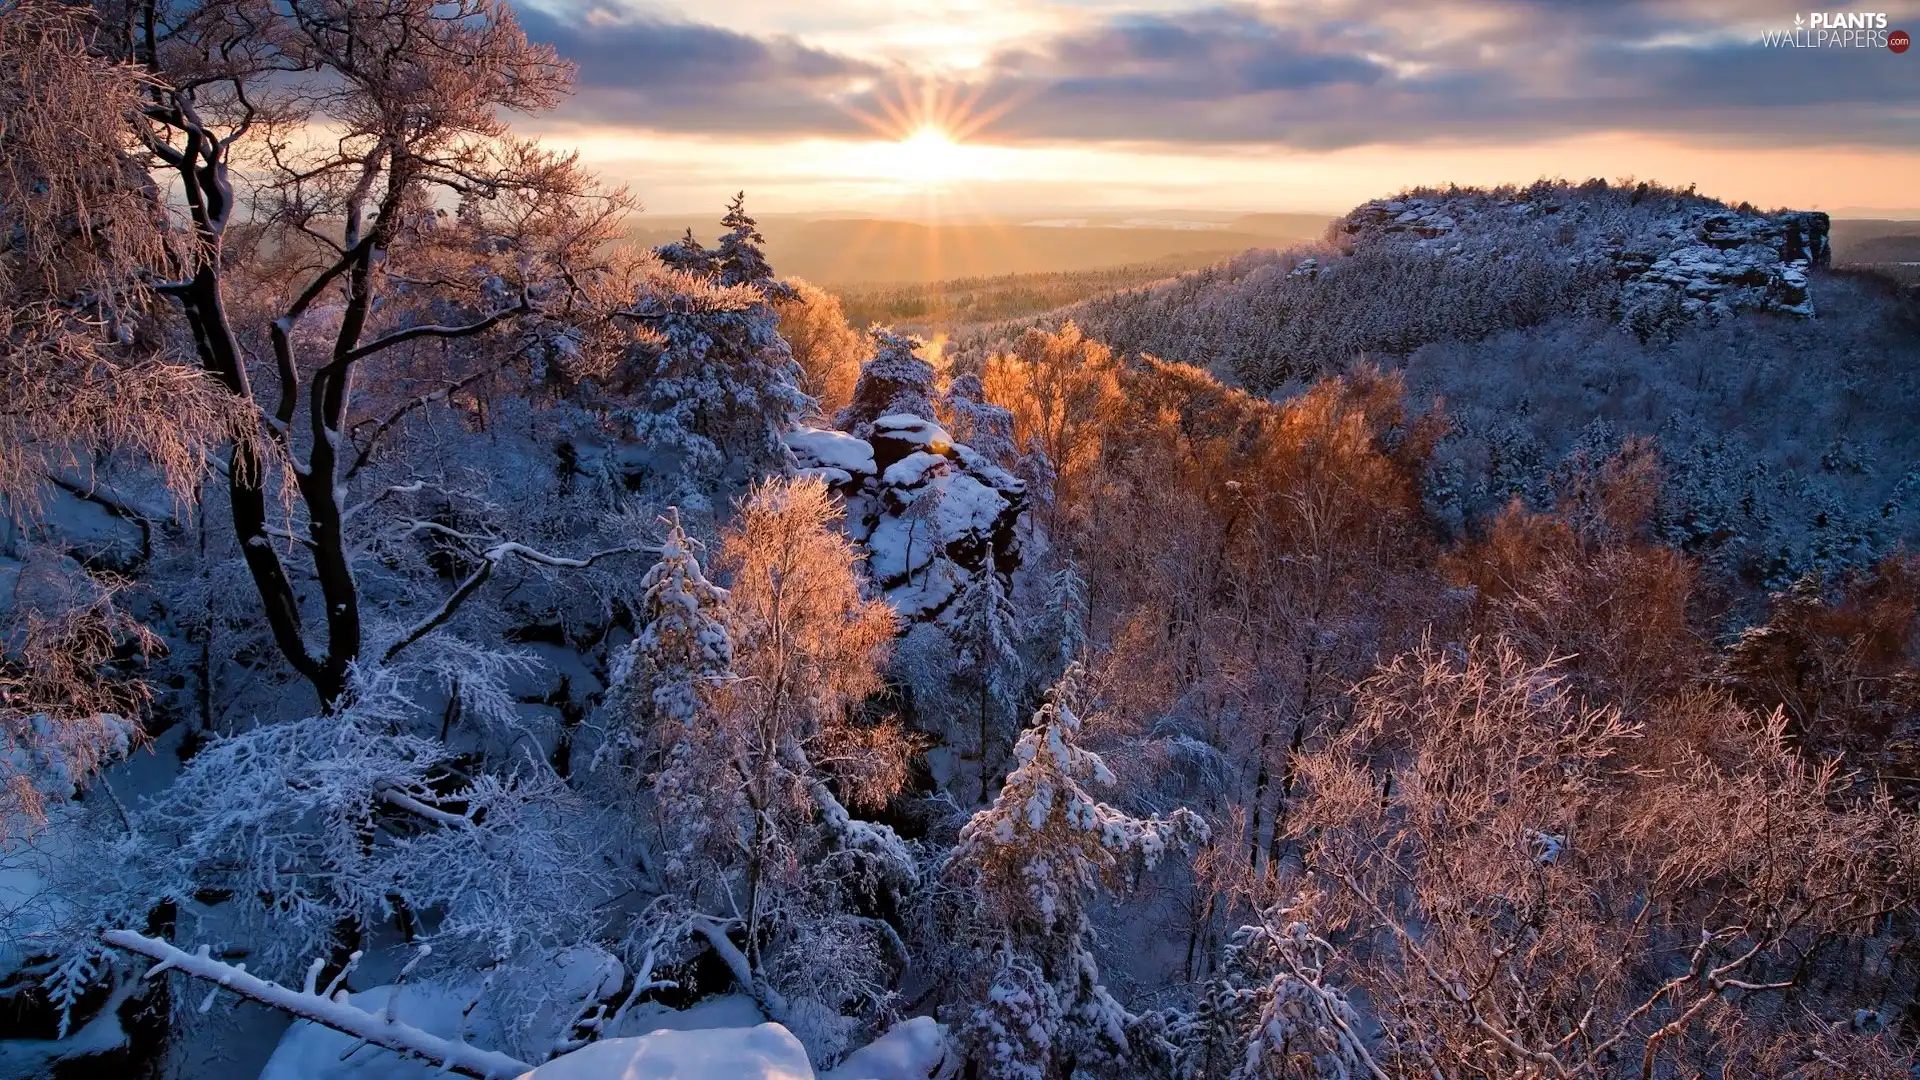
(360, 121)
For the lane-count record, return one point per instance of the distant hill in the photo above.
(1557, 321)
(866, 251)
(1868, 240)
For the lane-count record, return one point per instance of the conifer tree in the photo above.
(987, 656)
(689, 256)
(683, 647)
(1031, 864)
(897, 381)
(739, 257)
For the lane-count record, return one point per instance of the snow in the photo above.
(912, 469)
(724, 1011)
(913, 1049)
(766, 1052)
(817, 448)
(311, 1052)
(909, 428)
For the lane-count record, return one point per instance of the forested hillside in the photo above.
(439, 637)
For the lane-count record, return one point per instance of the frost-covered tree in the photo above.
(1272, 1012)
(978, 422)
(1030, 867)
(787, 886)
(828, 350)
(712, 396)
(895, 382)
(689, 256)
(682, 649)
(1056, 635)
(333, 826)
(739, 255)
(986, 659)
(361, 262)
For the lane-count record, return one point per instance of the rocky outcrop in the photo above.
(1667, 250)
(930, 512)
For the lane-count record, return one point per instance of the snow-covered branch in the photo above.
(309, 1003)
(490, 558)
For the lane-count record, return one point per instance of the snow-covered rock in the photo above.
(931, 512)
(1667, 249)
(913, 1049)
(767, 1052)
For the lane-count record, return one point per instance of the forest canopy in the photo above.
(1423, 654)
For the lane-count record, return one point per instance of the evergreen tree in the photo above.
(1030, 865)
(689, 256)
(1058, 633)
(987, 657)
(684, 644)
(739, 257)
(1270, 1013)
(716, 391)
(895, 382)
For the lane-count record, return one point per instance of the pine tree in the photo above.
(895, 382)
(717, 391)
(1031, 864)
(1271, 1014)
(684, 644)
(987, 656)
(739, 257)
(689, 256)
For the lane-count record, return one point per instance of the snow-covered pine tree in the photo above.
(739, 256)
(689, 256)
(987, 658)
(683, 646)
(1057, 634)
(1029, 867)
(713, 397)
(895, 382)
(1270, 1013)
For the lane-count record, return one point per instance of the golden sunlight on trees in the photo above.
(828, 350)
(1584, 586)
(1546, 886)
(1063, 390)
(82, 366)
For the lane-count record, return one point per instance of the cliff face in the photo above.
(1668, 251)
(930, 512)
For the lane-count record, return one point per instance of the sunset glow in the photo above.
(1289, 106)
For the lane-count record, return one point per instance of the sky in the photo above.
(948, 107)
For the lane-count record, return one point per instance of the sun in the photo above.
(925, 136)
(930, 157)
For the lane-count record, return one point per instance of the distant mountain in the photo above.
(1867, 241)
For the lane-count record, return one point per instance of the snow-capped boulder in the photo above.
(913, 1049)
(766, 1052)
(834, 456)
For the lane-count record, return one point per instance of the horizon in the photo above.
(942, 109)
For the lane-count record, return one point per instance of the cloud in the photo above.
(648, 72)
(1324, 76)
